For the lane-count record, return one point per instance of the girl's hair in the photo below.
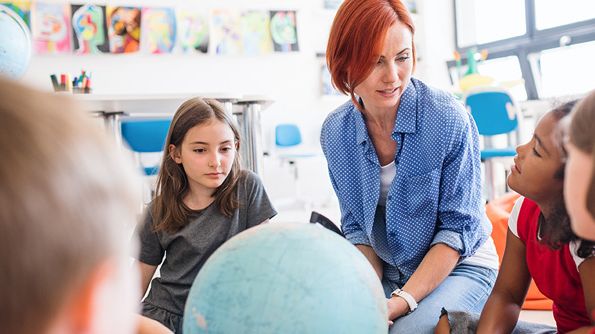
(556, 231)
(168, 208)
(357, 35)
(67, 192)
(581, 135)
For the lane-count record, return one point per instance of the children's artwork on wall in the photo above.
(51, 27)
(124, 28)
(326, 83)
(193, 31)
(256, 33)
(159, 30)
(89, 31)
(227, 33)
(284, 31)
(22, 8)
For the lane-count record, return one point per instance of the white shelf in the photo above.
(158, 103)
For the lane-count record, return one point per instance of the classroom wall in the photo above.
(290, 79)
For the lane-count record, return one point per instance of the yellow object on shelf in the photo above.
(475, 80)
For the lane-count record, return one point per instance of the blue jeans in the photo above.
(466, 289)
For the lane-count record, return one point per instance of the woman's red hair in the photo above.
(356, 38)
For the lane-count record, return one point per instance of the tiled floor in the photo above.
(542, 317)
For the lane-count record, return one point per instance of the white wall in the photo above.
(291, 79)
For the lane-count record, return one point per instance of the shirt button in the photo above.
(467, 228)
(392, 234)
(390, 197)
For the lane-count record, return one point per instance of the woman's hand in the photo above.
(397, 307)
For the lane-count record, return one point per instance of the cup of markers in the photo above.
(79, 85)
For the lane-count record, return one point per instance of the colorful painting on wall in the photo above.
(256, 34)
(227, 32)
(326, 82)
(284, 31)
(22, 8)
(159, 30)
(89, 31)
(124, 28)
(50, 25)
(193, 31)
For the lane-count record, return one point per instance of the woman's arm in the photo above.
(501, 311)
(373, 258)
(146, 274)
(433, 269)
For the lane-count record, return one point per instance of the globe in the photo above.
(15, 44)
(286, 278)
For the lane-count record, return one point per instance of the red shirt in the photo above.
(554, 272)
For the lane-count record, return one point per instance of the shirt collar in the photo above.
(406, 119)
(407, 112)
(361, 132)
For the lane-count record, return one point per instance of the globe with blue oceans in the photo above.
(15, 44)
(286, 278)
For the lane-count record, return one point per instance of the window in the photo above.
(564, 71)
(505, 70)
(548, 44)
(476, 21)
(550, 14)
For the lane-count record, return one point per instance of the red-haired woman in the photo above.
(404, 162)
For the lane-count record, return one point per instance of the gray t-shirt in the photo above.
(187, 249)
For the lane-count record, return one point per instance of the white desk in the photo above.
(245, 109)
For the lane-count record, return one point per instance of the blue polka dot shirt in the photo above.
(435, 196)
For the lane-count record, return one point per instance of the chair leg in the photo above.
(490, 179)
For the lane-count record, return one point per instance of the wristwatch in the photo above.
(408, 298)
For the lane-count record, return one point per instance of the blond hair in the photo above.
(581, 135)
(66, 196)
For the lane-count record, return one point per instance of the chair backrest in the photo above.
(145, 135)
(494, 112)
(287, 135)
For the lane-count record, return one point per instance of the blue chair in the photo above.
(145, 135)
(289, 136)
(495, 114)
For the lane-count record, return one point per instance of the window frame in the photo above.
(533, 41)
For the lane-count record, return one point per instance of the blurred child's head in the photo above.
(538, 174)
(200, 156)
(66, 201)
(579, 186)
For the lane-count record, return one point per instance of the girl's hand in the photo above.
(397, 307)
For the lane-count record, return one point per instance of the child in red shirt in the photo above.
(540, 245)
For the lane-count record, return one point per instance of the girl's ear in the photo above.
(174, 153)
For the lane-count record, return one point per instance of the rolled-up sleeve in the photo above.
(461, 209)
(353, 230)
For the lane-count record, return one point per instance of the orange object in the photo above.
(498, 211)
